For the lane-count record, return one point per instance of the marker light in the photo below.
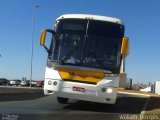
(109, 90)
(54, 83)
(103, 89)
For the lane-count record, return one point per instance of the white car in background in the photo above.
(33, 83)
(25, 83)
(14, 82)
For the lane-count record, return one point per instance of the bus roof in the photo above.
(92, 17)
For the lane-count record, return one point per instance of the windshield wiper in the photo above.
(65, 57)
(100, 63)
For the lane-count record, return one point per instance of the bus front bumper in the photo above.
(101, 93)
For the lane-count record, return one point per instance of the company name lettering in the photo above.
(83, 75)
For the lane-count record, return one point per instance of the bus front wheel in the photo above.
(62, 100)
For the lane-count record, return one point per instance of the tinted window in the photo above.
(100, 28)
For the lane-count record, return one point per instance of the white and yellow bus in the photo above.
(84, 58)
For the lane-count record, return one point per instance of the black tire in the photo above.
(62, 100)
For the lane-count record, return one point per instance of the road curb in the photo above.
(145, 106)
(139, 94)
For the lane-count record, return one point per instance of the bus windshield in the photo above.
(89, 43)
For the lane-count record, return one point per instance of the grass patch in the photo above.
(155, 111)
(135, 91)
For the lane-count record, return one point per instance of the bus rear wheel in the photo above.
(62, 100)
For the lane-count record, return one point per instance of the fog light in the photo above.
(103, 89)
(49, 91)
(108, 99)
(109, 90)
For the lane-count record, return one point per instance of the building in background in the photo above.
(156, 87)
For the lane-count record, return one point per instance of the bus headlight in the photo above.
(49, 82)
(109, 90)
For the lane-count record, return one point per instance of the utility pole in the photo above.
(33, 17)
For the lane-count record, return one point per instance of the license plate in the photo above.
(79, 89)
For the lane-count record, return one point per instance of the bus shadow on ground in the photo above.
(124, 105)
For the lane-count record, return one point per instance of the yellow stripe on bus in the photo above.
(80, 75)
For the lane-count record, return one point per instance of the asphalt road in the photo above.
(19, 89)
(36, 106)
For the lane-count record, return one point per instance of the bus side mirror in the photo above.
(43, 38)
(125, 47)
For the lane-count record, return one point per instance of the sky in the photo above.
(142, 26)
